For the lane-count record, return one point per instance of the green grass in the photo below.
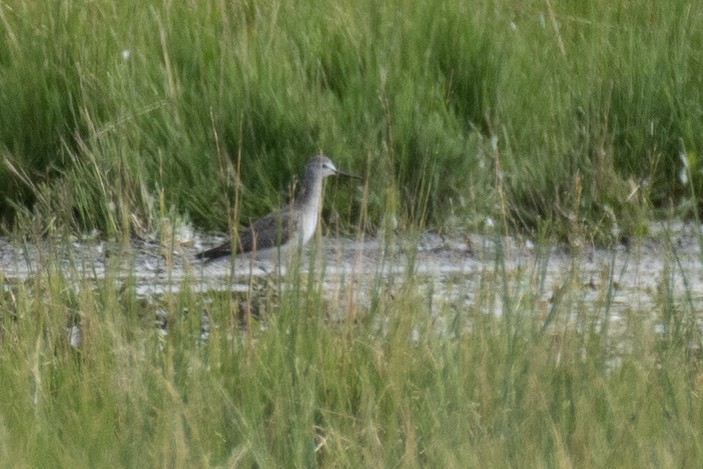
(407, 377)
(562, 118)
(454, 111)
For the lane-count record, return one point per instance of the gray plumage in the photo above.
(293, 225)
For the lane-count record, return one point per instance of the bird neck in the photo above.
(310, 191)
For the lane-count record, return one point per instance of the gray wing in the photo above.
(270, 231)
(267, 232)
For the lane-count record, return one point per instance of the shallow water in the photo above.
(448, 270)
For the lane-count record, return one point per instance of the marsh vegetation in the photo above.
(568, 333)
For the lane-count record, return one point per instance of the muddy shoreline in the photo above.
(451, 268)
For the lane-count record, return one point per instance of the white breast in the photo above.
(309, 222)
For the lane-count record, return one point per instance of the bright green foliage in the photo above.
(565, 116)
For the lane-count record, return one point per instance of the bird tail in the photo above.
(223, 250)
